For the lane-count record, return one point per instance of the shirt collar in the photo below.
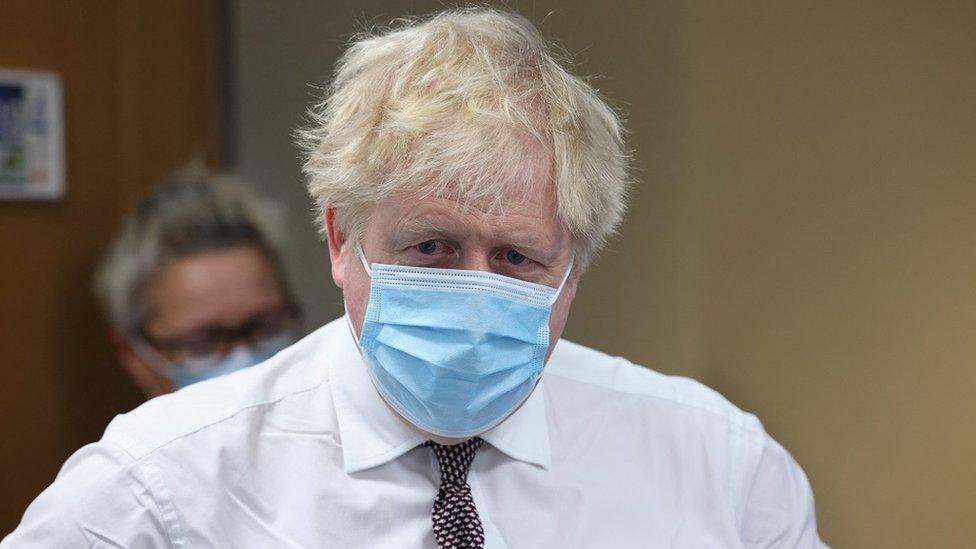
(524, 435)
(372, 434)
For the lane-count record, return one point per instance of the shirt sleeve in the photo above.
(100, 498)
(779, 509)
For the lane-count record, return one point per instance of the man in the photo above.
(193, 285)
(465, 181)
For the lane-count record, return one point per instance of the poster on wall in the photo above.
(31, 136)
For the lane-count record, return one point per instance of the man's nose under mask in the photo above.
(452, 351)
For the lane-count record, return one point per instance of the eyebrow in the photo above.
(423, 224)
(421, 227)
(521, 239)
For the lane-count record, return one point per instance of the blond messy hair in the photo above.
(463, 104)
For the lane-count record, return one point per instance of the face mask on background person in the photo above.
(195, 369)
(453, 351)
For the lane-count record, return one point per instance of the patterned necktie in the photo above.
(455, 518)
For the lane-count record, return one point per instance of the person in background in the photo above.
(193, 284)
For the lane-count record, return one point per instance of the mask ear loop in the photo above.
(362, 259)
(153, 358)
(559, 290)
(352, 330)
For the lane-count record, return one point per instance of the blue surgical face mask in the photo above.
(454, 352)
(193, 370)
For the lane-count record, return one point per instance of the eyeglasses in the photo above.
(217, 341)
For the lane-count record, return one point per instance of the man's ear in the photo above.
(151, 382)
(337, 247)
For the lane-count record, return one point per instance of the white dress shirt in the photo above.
(301, 451)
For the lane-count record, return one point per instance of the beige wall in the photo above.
(803, 237)
(836, 185)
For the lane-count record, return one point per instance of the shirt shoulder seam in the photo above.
(153, 484)
(739, 420)
(145, 452)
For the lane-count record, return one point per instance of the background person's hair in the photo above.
(464, 103)
(192, 213)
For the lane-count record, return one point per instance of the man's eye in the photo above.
(515, 258)
(427, 247)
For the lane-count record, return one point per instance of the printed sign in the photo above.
(31, 135)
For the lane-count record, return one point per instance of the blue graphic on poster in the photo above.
(31, 135)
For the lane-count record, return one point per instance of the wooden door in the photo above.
(139, 81)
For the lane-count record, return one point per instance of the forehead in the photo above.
(528, 214)
(221, 287)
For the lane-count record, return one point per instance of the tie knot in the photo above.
(455, 461)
